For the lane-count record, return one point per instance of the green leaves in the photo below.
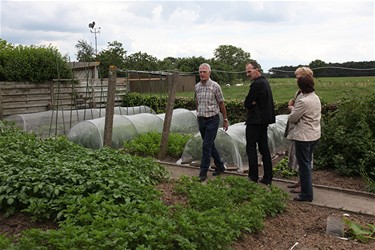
(348, 138)
(361, 233)
(149, 144)
(107, 199)
(32, 63)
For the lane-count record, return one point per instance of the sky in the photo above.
(275, 33)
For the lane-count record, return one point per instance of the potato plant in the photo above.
(106, 199)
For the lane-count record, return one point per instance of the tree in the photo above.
(115, 55)
(168, 63)
(315, 65)
(85, 51)
(233, 56)
(141, 61)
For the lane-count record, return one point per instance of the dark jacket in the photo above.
(259, 103)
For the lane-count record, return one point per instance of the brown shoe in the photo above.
(296, 190)
(293, 185)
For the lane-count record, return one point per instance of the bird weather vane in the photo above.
(95, 31)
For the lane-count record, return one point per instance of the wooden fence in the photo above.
(26, 97)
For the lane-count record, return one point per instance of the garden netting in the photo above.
(231, 145)
(90, 133)
(59, 122)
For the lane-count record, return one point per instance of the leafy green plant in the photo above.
(149, 144)
(107, 199)
(347, 143)
(283, 169)
(5, 242)
(358, 232)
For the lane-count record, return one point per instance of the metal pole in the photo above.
(95, 31)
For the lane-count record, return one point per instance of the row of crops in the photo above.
(105, 199)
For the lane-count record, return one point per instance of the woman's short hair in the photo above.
(306, 84)
(304, 71)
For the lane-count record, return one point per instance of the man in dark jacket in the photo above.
(260, 113)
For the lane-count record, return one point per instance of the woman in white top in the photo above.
(305, 117)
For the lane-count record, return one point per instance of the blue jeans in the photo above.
(257, 134)
(208, 129)
(304, 152)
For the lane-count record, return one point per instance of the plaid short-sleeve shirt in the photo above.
(208, 96)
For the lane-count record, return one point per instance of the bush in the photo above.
(347, 143)
(31, 63)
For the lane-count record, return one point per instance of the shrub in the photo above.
(347, 143)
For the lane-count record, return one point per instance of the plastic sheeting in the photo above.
(90, 133)
(59, 122)
(231, 144)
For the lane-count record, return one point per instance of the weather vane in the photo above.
(95, 31)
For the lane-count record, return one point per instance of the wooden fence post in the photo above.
(172, 86)
(109, 109)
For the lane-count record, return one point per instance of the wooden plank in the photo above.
(24, 105)
(7, 99)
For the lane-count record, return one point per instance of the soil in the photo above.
(302, 226)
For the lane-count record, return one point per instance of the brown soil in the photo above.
(302, 222)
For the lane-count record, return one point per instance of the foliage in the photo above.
(42, 177)
(323, 69)
(282, 168)
(233, 56)
(370, 183)
(32, 63)
(115, 55)
(5, 242)
(141, 61)
(157, 103)
(149, 144)
(107, 199)
(85, 51)
(358, 232)
(348, 138)
(228, 207)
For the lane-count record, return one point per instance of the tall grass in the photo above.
(329, 89)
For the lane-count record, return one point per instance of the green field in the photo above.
(329, 89)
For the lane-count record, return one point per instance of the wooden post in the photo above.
(172, 86)
(109, 109)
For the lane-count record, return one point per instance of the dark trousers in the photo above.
(208, 129)
(257, 135)
(304, 154)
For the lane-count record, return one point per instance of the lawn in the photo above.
(329, 89)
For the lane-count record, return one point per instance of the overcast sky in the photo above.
(276, 33)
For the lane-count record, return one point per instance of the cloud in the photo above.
(276, 33)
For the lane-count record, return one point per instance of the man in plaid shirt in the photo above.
(209, 100)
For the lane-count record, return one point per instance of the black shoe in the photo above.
(218, 171)
(256, 181)
(202, 178)
(298, 198)
(266, 182)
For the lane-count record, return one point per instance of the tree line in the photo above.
(45, 63)
(322, 69)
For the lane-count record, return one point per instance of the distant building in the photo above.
(85, 70)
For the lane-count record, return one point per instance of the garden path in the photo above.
(325, 196)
